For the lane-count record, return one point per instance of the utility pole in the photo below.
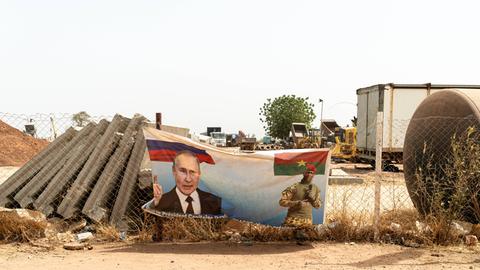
(158, 120)
(321, 121)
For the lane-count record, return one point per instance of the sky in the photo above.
(214, 63)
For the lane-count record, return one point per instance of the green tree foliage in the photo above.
(279, 114)
(81, 119)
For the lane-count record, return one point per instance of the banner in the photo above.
(246, 186)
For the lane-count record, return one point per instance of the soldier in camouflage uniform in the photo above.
(300, 198)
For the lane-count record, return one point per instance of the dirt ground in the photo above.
(238, 256)
(16, 148)
(6, 172)
(367, 173)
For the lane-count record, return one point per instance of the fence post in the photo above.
(158, 120)
(54, 129)
(378, 171)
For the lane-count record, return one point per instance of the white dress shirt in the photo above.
(195, 203)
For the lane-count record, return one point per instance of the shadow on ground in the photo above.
(209, 248)
(410, 255)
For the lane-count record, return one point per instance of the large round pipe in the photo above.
(427, 148)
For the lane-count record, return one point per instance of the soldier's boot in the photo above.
(301, 237)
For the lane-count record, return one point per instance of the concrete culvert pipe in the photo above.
(428, 153)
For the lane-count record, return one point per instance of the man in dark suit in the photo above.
(185, 197)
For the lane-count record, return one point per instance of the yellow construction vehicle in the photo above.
(345, 143)
(304, 138)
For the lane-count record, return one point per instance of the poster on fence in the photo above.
(269, 187)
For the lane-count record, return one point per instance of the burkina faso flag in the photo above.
(296, 163)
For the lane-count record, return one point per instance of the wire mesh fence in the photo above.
(410, 148)
(360, 198)
(47, 126)
(99, 168)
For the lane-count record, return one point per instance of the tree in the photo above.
(81, 119)
(279, 114)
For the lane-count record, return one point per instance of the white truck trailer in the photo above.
(398, 103)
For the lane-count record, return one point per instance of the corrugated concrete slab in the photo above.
(66, 175)
(129, 180)
(89, 173)
(95, 205)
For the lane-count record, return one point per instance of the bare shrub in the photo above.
(264, 233)
(106, 232)
(191, 229)
(450, 192)
(407, 231)
(346, 226)
(147, 229)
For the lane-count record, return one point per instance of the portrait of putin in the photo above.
(186, 197)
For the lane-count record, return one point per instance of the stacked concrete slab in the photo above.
(91, 172)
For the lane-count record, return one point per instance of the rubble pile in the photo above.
(92, 172)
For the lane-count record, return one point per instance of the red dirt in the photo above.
(16, 148)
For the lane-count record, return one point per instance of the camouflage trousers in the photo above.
(297, 222)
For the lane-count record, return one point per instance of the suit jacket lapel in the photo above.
(173, 202)
(204, 202)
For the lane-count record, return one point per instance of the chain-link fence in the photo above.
(361, 198)
(47, 126)
(426, 151)
(100, 169)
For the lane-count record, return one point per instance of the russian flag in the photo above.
(166, 151)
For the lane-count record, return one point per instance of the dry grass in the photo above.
(196, 229)
(146, 231)
(106, 232)
(345, 226)
(441, 231)
(404, 217)
(264, 233)
(15, 228)
(191, 229)
(342, 227)
(407, 233)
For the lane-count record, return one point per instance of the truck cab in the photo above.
(219, 139)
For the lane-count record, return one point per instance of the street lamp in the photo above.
(321, 120)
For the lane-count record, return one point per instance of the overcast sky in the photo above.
(214, 63)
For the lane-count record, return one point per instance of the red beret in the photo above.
(310, 168)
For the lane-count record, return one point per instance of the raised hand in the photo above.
(157, 193)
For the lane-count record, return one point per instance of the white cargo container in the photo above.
(398, 103)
